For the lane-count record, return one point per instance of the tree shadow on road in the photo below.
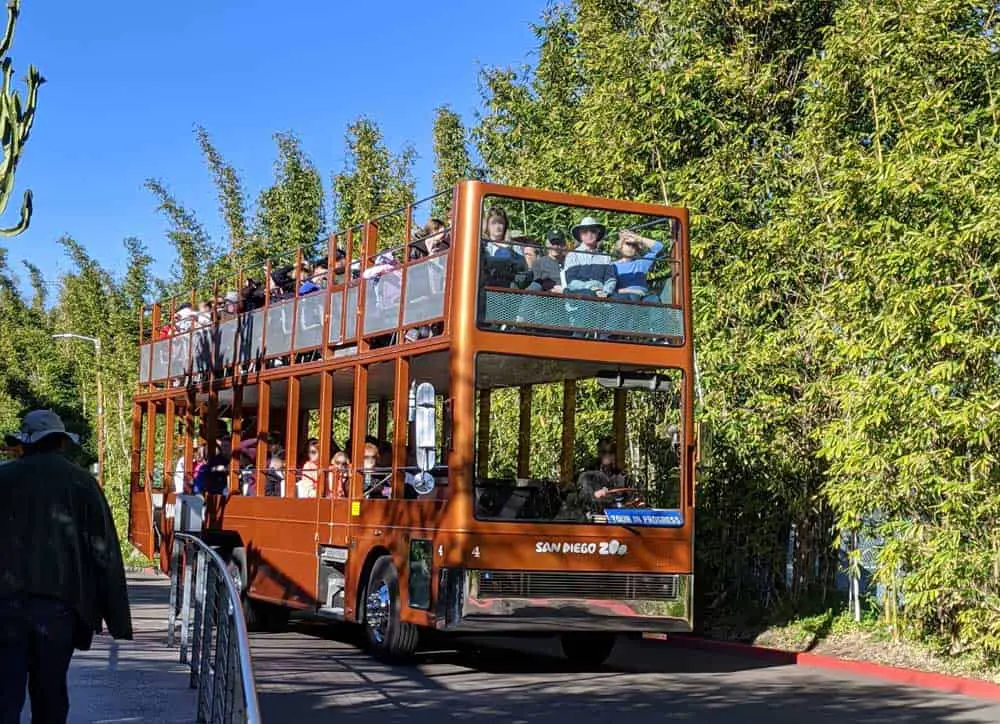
(308, 677)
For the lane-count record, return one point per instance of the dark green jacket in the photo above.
(58, 540)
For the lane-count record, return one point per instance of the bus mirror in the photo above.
(617, 380)
(424, 417)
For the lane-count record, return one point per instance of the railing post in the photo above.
(175, 581)
(198, 638)
(206, 672)
(186, 606)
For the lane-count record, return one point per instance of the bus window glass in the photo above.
(377, 450)
(552, 269)
(603, 445)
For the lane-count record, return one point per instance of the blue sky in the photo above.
(128, 80)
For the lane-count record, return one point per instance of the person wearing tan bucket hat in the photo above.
(588, 270)
(61, 571)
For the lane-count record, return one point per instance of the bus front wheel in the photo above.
(388, 637)
(588, 650)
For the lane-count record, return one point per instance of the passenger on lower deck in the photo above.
(305, 486)
(338, 479)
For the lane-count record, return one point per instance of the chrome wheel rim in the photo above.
(377, 612)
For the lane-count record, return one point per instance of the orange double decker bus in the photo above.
(481, 424)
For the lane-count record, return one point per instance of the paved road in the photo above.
(315, 674)
(132, 681)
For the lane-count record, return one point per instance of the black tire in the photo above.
(258, 615)
(389, 638)
(587, 650)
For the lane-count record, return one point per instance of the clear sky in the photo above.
(127, 81)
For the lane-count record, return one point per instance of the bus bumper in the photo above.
(497, 601)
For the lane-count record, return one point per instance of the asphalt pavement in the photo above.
(132, 681)
(316, 673)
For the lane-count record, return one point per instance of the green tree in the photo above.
(39, 288)
(232, 203)
(374, 181)
(693, 103)
(452, 161)
(899, 146)
(16, 119)
(92, 301)
(291, 212)
(194, 249)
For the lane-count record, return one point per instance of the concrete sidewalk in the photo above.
(132, 681)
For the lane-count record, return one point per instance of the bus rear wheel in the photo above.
(388, 637)
(589, 650)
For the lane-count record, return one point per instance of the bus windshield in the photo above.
(577, 442)
(557, 270)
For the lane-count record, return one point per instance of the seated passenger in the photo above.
(305, 486)
(376, 485)
(339, 477)
(632, 268)
(304, 279)
(320, 274)
(502, 265)
(205, 314)
(185, 318)
(230, 305)
(280, 284)
(589, 272)
(428, 240)
(274, 481)
(547, 270)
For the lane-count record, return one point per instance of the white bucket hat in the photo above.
(589, 222)
(39, 424)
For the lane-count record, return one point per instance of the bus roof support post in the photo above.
(483, 444)
(569, 431)
(619, 427)
(524, 433)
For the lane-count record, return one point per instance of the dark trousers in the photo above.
(36, 644)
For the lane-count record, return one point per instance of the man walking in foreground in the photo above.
(61, 571)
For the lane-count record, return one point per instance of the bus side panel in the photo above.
(279, 535)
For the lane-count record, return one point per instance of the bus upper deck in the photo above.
(547, 265)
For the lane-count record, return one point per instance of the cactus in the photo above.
(15, 123)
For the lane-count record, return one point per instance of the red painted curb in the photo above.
(911, 677)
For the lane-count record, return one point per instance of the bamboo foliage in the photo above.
(840, 161)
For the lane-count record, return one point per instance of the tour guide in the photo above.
(61, 571)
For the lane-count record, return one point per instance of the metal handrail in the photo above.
(221, 668)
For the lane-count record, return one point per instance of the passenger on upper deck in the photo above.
(429, 239)
(547, 270)
(632, 268)
(502, 265)
(589, 272)
(185, 319)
